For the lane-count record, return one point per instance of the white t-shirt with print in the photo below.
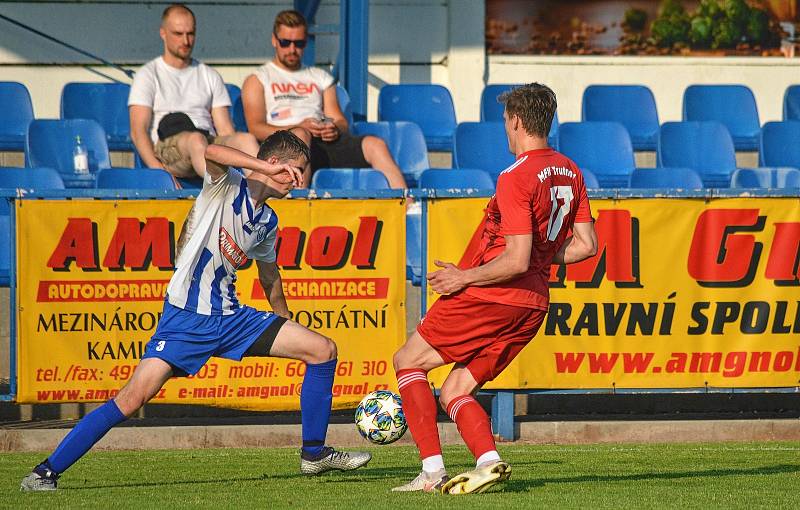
(194, 90)
(293, 96)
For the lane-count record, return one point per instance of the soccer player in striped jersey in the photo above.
(229, 223)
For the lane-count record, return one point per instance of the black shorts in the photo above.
(263, 344)
(344, 152)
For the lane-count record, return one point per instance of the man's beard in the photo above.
(182, 55)
(291, 64)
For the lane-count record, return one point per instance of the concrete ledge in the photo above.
(189, 437)
(687, 431)
(254, 436)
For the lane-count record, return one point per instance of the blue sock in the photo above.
(315, 405)
(84, 435)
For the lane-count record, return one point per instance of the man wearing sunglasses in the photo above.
(283, 94)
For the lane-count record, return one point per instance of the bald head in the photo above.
(176, 9)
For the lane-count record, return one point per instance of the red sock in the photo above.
(420, 409)
(473, 424)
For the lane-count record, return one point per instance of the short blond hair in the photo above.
(289, 18)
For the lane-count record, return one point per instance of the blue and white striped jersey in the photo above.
(223, 230)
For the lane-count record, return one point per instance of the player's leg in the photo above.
(183, 154)
(512, 328)
(474, 425)
(319, 354)
(475, 428)
(147, 379)
(287, 339)
(412, 362)
(377, 154)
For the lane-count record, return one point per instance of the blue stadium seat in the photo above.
(684, 178)
(237, 109)
(732, 105)
(633, 106)
(482, 145)
(429, 106)
(414, 247)
(492, 110)
(459, 178)
(589, 179)
(349, 178)
(134, 178)
(343, 98)
(50, 144)
(19, 178)
(604, 148)
(107, 103)
(791, 103)
(705, 147)
(780, 144)
(766, 178)
(16, 112)
(28, 178)
(406, 145)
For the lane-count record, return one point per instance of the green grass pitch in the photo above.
(721, 475)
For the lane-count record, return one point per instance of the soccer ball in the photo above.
(380, 418)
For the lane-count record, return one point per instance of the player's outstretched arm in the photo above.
(581, 245)
(228, 156)
(270, 279)
(514, 261)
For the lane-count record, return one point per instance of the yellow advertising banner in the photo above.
(92, 275)
(682, 293)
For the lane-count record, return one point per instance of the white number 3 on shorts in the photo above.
(160, 345)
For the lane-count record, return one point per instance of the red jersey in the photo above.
(542, 194)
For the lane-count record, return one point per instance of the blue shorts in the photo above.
(186, 340)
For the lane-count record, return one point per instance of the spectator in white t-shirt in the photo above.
(283, 94)
(175, 82)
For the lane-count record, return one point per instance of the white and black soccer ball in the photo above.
(380, 418)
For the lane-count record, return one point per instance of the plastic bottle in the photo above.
(80, 157)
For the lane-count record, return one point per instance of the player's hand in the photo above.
(447, 280)
(284, 174)
(314, 126)
(329, 131)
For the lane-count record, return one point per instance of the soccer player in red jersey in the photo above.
(490, 310)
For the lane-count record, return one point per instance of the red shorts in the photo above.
(482, 335)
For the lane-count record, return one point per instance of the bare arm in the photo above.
(330, 105)
(228, 156)
(141, 116)
(221, 116)
(514, 261)
(270, 279)
(581, 245)
(255, 112)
